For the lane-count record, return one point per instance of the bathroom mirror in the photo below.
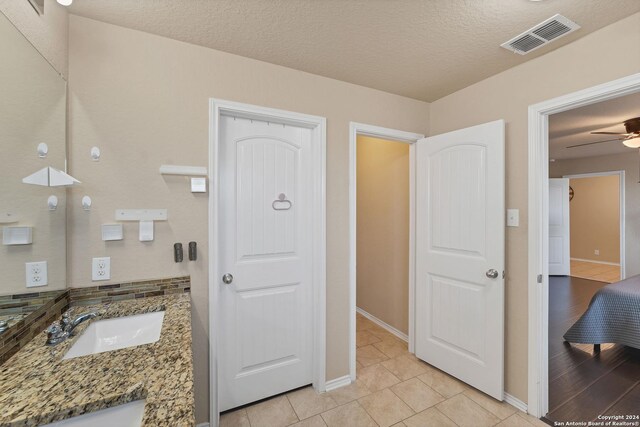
(32, 137)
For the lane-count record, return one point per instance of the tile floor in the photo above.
(594, 271)
(393, 388)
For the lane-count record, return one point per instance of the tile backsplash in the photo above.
(30, 314)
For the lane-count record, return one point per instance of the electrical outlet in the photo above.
(101, 269)
(36, 274)
(596, 252)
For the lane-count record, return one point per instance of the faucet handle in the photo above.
(55, 334)
(65, 320)
(54, 328)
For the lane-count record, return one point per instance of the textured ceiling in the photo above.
(574, 127)
(423, 49)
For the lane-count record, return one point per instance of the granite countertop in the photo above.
(38, 387)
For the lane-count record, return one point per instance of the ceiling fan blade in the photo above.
(609, 133)
(596, 142)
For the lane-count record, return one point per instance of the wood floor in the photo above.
(595, 271)
(584, 384)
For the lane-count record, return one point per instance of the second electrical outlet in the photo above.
(101, 269)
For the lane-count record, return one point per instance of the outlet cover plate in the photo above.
(101, 269)
(36, 273)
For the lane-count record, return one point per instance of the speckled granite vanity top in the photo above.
(38, 387)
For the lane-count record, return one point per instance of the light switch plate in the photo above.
(513, 217)
(198, 185)
(36, 273)
(101, 269)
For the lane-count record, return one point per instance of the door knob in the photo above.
(227, 278)
(492, 274)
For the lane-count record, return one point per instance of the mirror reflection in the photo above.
(32, 217)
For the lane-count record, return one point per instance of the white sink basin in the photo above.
(117, 333)
(127, 415)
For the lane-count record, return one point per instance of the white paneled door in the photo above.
(559, 231)
(460, 223)
(266, 323)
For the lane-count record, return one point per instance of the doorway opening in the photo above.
(382, 247)
(574, 379)
(597, 231)
(381, 244)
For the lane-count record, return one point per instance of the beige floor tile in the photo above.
(467, 413)
(417, 394)
(307, 403)
(365, 338)
(392, 348)
(514, 421)
(272, 413)
(404, 367)
(376, 377)
(316, 421)
(359, 365)
(362, 323)
(349, 393)
(385, 407)
(400, 424)
(385, 335)
(429, 418)
(444, 384)
(349, 415)
(501, 410)
(369, 355)
(237, 418)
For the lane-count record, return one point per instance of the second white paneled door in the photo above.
(559, 228)
(460, 213)
(266, 323)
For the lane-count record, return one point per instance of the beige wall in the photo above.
(32, 111)
(48, 32)
(595, 218)
(143, 100)
(615, 162)
(383, 230)
(507, 96)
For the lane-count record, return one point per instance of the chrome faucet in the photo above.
(71, 326)
(60, 331)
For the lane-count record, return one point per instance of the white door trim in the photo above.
(318, 127)
(621, 178)
(538, 244)
(356, 129)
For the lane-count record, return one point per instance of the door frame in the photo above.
(318, 126)
(538, 233)
(411, 138)
(621, 187)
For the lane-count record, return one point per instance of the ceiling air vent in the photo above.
(540, 35)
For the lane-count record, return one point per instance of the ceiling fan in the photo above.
(631, 138)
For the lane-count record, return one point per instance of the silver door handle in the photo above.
(492, 274)
(227, 278)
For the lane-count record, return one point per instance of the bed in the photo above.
(613, 316)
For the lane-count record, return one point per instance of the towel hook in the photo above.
(282, 198)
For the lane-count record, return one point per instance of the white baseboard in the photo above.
(515, 402)
(384, 325)
(202, 425)
(596, 262)
(337, 383)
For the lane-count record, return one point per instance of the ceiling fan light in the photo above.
(632, 142)
(65, 2)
